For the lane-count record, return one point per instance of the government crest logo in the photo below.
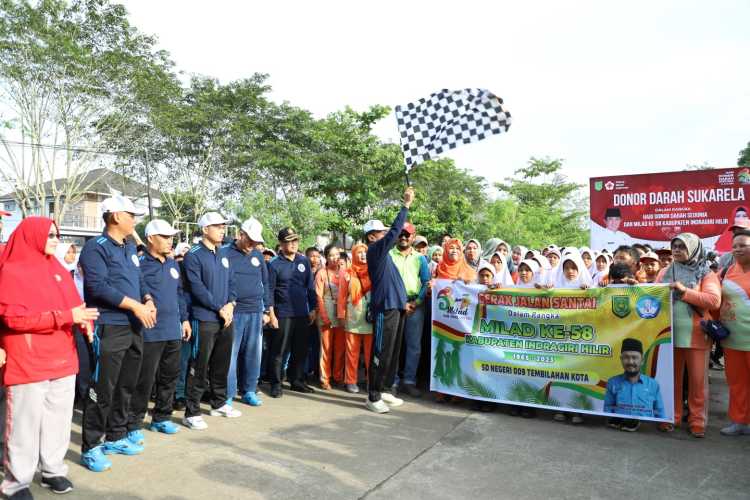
(620, 305)
(648, 307)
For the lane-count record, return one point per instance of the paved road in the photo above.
(326, 446)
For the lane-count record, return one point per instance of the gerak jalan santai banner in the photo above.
(556, 349)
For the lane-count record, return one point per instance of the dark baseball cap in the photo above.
(288, 234)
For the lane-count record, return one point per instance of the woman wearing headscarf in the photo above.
(588, 256)
(571, 273)
(602, 263)
(473, 253)
(517, 255)
(454, 266)
(529, 274)
(68, 258)
(39, 305)
(695, 291)
(502, 276)
(353, 300)
(553, 256)
(332, 339)
(434, 255)
(724, 242)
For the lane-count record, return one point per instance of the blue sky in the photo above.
(612, 88)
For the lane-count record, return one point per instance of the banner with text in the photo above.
(654, 208)
(556, 349)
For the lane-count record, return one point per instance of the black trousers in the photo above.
(388, 332)
(118, 351)
(160, 366)
(208, 370)
(292, 335)
(85, 362)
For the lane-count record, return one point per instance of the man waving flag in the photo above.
(446, 119)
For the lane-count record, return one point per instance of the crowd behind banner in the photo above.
(118, 324)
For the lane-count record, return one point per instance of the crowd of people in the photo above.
(120, 324)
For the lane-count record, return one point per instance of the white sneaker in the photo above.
(226, 411)
(735, 429)
(378, 406)
(196, 423)
(391, 400)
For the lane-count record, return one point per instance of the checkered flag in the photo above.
(447, 119)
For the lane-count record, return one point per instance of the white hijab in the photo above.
(583, 278)
(502, 277)
(60, 251)
(593, 255)
(537, 273)
(597, 276)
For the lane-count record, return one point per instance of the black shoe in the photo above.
(24, 494)
(300, 387)
(411, 391)
(276, 391)
(614, 423)
(179, 404)
(630, 425)
(57, 484)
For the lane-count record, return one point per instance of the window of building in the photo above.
(9, 206)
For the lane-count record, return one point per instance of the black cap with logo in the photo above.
(288, 234)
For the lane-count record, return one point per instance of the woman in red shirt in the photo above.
(39, 305)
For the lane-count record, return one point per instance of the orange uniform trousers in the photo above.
(696, 362)
(737, 368)
(354, 342)
(332, 352)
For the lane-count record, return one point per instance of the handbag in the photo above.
(715, 329)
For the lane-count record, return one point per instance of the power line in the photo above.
(60, 147)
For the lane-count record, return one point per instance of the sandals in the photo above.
(666, 427)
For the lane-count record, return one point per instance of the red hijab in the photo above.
(32, 282)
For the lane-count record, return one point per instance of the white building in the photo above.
(83, 220)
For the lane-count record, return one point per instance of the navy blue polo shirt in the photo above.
(111, 272)
(210, 281)
(165, 284)
(250, 280)
(388, 291)
(291, 286)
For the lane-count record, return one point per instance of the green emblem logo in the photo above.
(621, 305)
(598, 185)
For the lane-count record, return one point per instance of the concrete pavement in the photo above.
(326, 446)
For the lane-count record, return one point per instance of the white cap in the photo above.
(160, 227)
(211, 218)
(119, 203)
(374, 225)
(253, 229)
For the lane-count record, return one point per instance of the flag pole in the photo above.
(408, 181)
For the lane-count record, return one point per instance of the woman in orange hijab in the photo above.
(352, 304)
(454, 266)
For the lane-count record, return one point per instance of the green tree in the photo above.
(63, 67)
(744, 159)
(548, 205)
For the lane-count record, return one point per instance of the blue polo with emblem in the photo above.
(111, 272)
(165, 284)
(210, 281)
(251, 280)
(292, 291)
(640, 399)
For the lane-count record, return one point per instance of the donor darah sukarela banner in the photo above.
(558, 349)
(654, 208)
